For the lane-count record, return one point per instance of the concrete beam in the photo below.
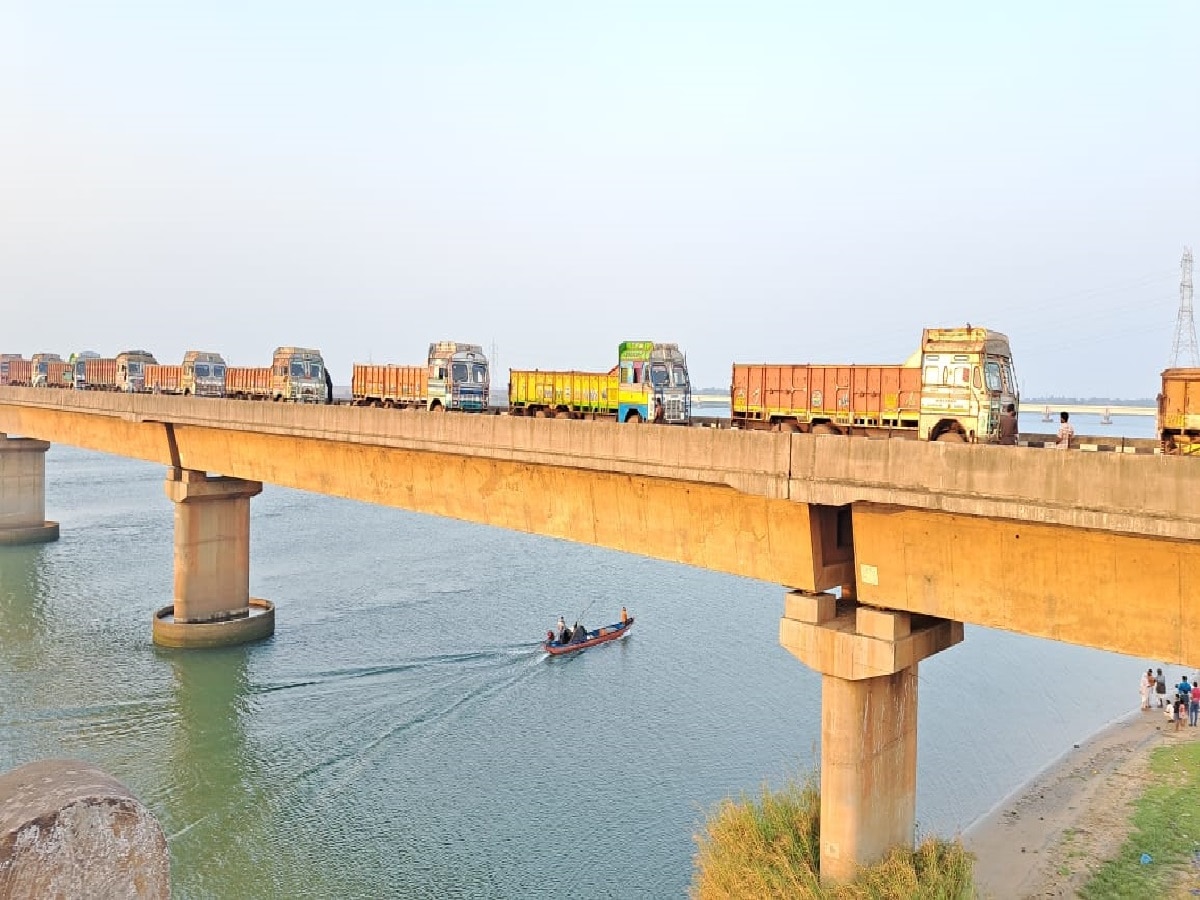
(1120, 592)
(706, 522)
(1146, 495)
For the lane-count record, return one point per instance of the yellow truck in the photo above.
(649, 383)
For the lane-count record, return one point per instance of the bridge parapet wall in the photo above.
(1139, 494)
(752, 463)
(1127, 493)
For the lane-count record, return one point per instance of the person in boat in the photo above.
(624, 617)
(560, 630)
(578, 634)
(549, 636)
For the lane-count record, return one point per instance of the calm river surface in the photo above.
(401, 735)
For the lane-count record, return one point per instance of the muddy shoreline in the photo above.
(1048, 836)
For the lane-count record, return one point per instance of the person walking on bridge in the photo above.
(1066, 431)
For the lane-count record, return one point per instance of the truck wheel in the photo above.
(789, 427)
(952, 437)
(539, 414)
(634, 418)
(824, 428)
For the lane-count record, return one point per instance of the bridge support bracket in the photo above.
(23, 492)
(868, 659)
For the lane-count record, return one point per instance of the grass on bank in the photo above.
(770, 848)
(1166, 825)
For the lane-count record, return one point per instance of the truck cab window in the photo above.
(992, 371)
(459, 370)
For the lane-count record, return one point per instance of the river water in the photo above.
(401, 735)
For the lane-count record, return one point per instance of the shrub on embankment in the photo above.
(770, 848)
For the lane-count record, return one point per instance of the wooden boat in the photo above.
(601, 635)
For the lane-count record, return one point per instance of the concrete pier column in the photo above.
(212, 604)
(868, 657)
(23, 492)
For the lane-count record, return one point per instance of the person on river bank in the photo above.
(1146, 687)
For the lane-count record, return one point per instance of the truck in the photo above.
(124, 372)
(455, 376)
(649, 383)
(14, 367)
(202, 374)
(296, 374)
(1178, 418)
(49, 370)
(952, 389)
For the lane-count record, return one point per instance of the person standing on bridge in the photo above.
(1008, 426)
(1066, 431)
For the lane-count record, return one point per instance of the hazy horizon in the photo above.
(755, 181)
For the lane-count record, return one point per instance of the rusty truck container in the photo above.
(389, 386)
(248, 382)
(804, 397)
(15, 371)
(1179, 411)
(96, 374)
(164, 379)
(550, 393)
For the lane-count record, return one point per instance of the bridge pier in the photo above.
(868, 660)
(23, 492)
(212, 604)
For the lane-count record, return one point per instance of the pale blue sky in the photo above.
(785, 182)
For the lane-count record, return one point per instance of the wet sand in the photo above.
(1047, 838)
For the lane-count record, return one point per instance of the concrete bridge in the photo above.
(1090, 548)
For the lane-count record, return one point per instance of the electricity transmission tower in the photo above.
(1184, 351)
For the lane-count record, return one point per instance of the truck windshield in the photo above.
(679, 376)
(992, 372)
(202, 370)
(314, 370)
(42, 368)
(658, 375)
(135, 368)
(458, 372)
(218, 371)
(297, 369)
(479, 373)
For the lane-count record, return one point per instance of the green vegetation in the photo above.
(1166, 825)
(771, 849)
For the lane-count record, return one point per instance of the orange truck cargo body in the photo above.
(1179, 411)
(248, 381)
(390, 385)
(17, 372)
(58, 374)
(100, 375)
(870, 396)
(164, 379)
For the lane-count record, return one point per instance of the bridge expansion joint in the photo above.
(855, 642)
